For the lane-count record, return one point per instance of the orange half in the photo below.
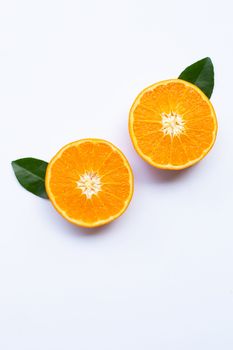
(89, 182)
(172, 124)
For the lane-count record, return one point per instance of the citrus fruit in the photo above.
(172, 124)
(89, 182)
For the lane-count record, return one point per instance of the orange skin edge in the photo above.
(80, 222)
(133, 138)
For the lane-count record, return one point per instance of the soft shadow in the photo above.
(65, 226)
(164, 176)
(146, 173)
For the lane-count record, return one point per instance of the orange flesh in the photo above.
(105, 161)
(198, 117)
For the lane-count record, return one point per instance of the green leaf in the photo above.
(30, 173)
(201, 74)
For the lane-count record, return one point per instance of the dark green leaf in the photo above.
(30, 173)
(201, 74)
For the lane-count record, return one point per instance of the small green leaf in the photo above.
(30, 173)
(200, 73)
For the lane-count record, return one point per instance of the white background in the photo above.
(161, 276)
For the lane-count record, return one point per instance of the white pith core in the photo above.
(172, 124)
(89, 183)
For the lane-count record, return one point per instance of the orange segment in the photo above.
(89, 182)
(172, 124)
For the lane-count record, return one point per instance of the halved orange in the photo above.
(172, 124)
(89, 182)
